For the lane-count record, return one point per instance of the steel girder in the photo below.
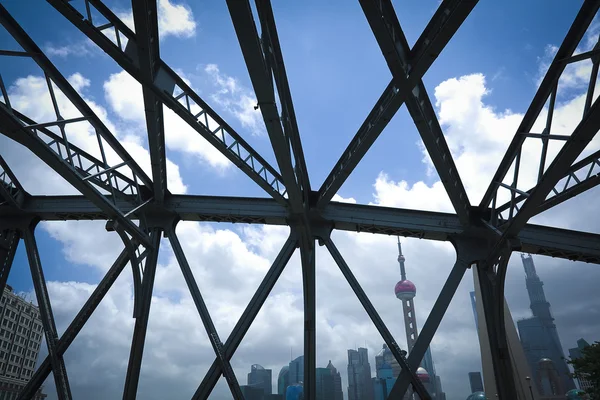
(211, 330)
(11, 191)
(176, 94)
(443, 25)
(546, 92)
(393, 44)
(146, 27)
(9, 241)
(535, 239)
(265, 64)
(51, 152)
(40, 375)
(41, 292)
(311, 216)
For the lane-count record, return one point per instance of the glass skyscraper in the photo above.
(360, 386)
(261, 378)
(540, 341)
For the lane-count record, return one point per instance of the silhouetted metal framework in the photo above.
(140, 209)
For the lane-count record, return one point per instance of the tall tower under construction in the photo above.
(540, 340)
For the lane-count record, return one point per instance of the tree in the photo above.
(588, 367)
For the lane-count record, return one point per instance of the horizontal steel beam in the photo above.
(561, 243)
(536, 239)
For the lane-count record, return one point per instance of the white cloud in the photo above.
(235, 99)
(30, 96)
(124, 96)
(173, 20)
(78, 49)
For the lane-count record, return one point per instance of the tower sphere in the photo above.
(405, 290)
(422, 374)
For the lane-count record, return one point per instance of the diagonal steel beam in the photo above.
(141, 322)
(394, 46)
(249, 314)
(61, 82)
(578, 28)
(146, 28)
(589, 165)
(59, 371)
(581, 136)
(186, 103)
(377, 321)
(11, 190)
(211, 330)
(43, 371)
(258, 64)
(9, 241)
(443, 25)
(13, 128)
(274, 58)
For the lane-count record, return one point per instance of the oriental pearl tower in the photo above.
(406, 291)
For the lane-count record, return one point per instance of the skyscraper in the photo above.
(359, 375)
(406, 291)
(20, 338)
(574, 353)
(283, 379)
(296, 374)
(338, 394)
(383, 382)
(324, 384)
(261, 378)
(539, 338)
(474, 305)
(475, 382)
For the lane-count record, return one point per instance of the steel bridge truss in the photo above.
(140, 209)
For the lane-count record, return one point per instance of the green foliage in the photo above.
(588, 367)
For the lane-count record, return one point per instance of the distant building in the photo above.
(283, 380)
(260, 377)
(386, 357)
(383, 382)
(539, 338)
(549, 379)
(575, 353)
(252, 393)
(296, 373)
(475, 382)
(338, 393)
(20, 338)
(294, 392)
(324, 384)
(360, 386)
(474, 305)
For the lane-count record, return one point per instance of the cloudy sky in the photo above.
(480, 86)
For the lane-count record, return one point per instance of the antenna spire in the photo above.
(401, 260)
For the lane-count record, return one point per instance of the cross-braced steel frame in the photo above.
(140, 209)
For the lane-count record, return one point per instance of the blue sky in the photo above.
(336, 73)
